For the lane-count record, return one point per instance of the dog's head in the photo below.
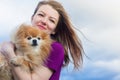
(29, 37)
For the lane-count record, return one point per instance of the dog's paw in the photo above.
(16, 61)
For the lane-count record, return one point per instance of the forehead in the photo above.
(49, 10)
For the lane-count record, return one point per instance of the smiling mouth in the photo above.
(42, 27)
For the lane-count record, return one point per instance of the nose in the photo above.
(34, 42)
(44, 21)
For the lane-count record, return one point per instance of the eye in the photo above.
(40, 14)
(38, 38)
(29, 38)
(52, 21)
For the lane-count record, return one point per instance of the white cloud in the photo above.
(101, 21)
(112, 65)
(101, 7)
(106, 37)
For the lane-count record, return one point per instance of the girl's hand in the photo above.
(7, 49)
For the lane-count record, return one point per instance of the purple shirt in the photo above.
(55, 60)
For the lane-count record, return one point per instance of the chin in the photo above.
(32, 47)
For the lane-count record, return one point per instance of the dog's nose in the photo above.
(34, 42)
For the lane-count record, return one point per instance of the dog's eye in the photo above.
(29, 38)
(38, 38)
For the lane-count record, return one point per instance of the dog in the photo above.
(32, 48)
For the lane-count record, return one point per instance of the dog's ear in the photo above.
(23, 27)
(18, 31)
(21, 30)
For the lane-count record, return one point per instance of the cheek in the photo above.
(52, 28)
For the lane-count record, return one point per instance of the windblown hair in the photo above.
(65, 34)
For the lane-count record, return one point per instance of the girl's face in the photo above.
(46, 18)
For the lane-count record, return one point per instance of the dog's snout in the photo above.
(34, 42)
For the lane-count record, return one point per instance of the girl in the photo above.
(51, 17)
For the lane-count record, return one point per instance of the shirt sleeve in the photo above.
(56, 57)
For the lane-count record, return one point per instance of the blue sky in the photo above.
(98, 20)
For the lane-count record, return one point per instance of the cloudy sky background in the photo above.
(98, 20)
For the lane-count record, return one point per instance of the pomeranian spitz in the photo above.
(32, 47)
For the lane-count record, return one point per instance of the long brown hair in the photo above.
(65, 34)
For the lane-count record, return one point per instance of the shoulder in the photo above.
(57, 49)
(57, 45)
